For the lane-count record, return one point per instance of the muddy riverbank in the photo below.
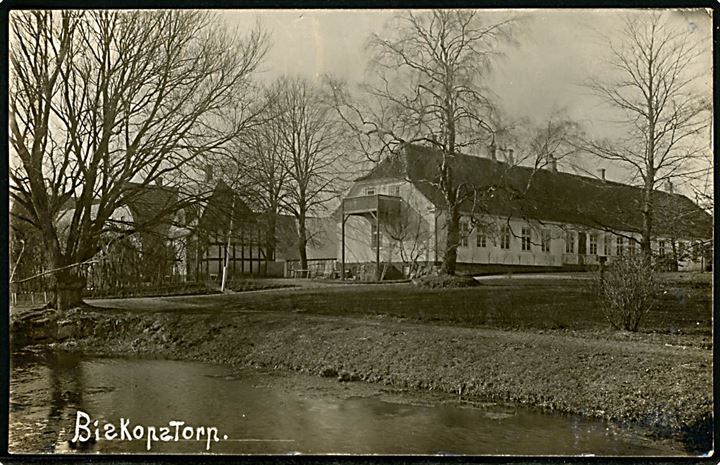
(663, 387)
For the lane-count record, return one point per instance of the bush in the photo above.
(627, 291)
(445, 281)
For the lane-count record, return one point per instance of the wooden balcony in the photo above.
(386, 205)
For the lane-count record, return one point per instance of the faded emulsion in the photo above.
(372, 231)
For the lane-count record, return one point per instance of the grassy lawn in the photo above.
(508, 303)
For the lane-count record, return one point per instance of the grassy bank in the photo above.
(664, 388)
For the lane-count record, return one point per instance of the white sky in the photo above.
(556, 51)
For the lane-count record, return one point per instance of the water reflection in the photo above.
(268, 414)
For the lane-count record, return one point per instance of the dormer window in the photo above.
(372, 190)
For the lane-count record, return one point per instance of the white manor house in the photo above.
(527, 220)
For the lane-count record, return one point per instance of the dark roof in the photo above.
(151, 205)
(545, 195)
(215, 219)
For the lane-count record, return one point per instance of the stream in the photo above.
(257, 412)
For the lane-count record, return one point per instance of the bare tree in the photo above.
(105, 103)
(430, 70)
(258, 164)
(310, 142)
(410, 236)
(652, 85)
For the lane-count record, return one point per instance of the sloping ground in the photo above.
(666, 388)
(538, 303)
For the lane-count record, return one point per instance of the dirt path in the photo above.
(198, 302)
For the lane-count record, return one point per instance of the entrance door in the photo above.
(582, 247)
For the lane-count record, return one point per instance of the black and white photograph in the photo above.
(419, 232)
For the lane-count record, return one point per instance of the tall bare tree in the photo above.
(652, 83)
(260, 168)
(431, 69)
(310, 142)
(105, 103)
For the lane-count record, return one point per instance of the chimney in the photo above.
(669, 186)
(159, 181)
(208, 173)
(510, 158)
(602, 174)
(553, 163)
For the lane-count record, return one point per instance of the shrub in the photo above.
(627, 291)
(445, 281)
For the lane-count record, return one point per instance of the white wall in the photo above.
(415, 227)
(358, 236)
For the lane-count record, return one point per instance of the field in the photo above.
(684, 305)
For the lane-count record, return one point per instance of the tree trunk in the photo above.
(302, 242)
(452, 225)
(270, 240)
(68, 289)
(647, 226)
(674, 263)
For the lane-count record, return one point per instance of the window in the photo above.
(395, 190)
(370, 190)
(630, 247)
(570, 242)
(661, 248)
(619, 245)
(608, 244)
(525, 235)
(464, 233)
(697, 249)
(681, 250)
(593, 244)
(545, 241)
(505, 237)
(481, 239)
(374, 236)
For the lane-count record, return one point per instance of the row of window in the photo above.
(505, 238)
(481, 240)
(587, 243)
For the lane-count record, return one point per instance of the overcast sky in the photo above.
(556, 51)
